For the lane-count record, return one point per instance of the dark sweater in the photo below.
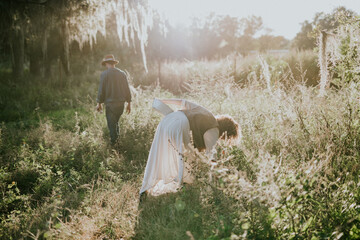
(200, 121)
(113, 87)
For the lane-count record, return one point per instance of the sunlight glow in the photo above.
(282, 16)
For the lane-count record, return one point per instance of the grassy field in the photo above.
(293, 175)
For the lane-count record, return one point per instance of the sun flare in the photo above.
(283, 17)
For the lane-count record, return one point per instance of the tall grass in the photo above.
(294, 174)
(252, 70)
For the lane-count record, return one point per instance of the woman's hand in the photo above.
(99, 107)
(128, 108)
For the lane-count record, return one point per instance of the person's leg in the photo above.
(113, 113)
(110, 118)
(118, 109)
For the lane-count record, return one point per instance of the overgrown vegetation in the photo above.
(294, 174)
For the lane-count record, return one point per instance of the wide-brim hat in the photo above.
(109, 59)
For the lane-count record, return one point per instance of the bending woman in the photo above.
(165, 166)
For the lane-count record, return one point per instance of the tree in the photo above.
(32, 22)
(221, 35)
(227, 28)
(306, 38)
(249, 27)
(303, 39)
(204, 39)
(12, 22)
(268, 42)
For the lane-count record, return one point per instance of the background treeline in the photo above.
(46, 37)
(54, 38)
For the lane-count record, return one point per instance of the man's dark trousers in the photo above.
(113, 112)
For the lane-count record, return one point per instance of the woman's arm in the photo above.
(185, 104)
(210, 138)
(172, 101)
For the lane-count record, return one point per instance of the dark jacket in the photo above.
(200, 120)
(113, 87)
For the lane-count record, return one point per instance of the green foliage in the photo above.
(175, 216)
(304, 67)
(294, 174)
(295, 194)
(284, 69)
(288, 69)
(306, 38)
(345, 58)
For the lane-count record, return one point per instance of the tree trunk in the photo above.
(38, 55)
(47, 56)
(17, 50)
(35, 58)
(159, 72)
(323, 62)
(47, 70)
(65, 47)
(234, 66)
(35, 65)
(44, 50)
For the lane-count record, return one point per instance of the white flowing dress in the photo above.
(165, 166)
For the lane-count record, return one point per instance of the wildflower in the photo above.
(13, 183)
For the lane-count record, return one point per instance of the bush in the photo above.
(292, 175)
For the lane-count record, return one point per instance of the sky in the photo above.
(283, 17)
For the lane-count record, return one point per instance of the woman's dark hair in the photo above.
(228, 127)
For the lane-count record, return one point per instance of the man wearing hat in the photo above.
(114, 92)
